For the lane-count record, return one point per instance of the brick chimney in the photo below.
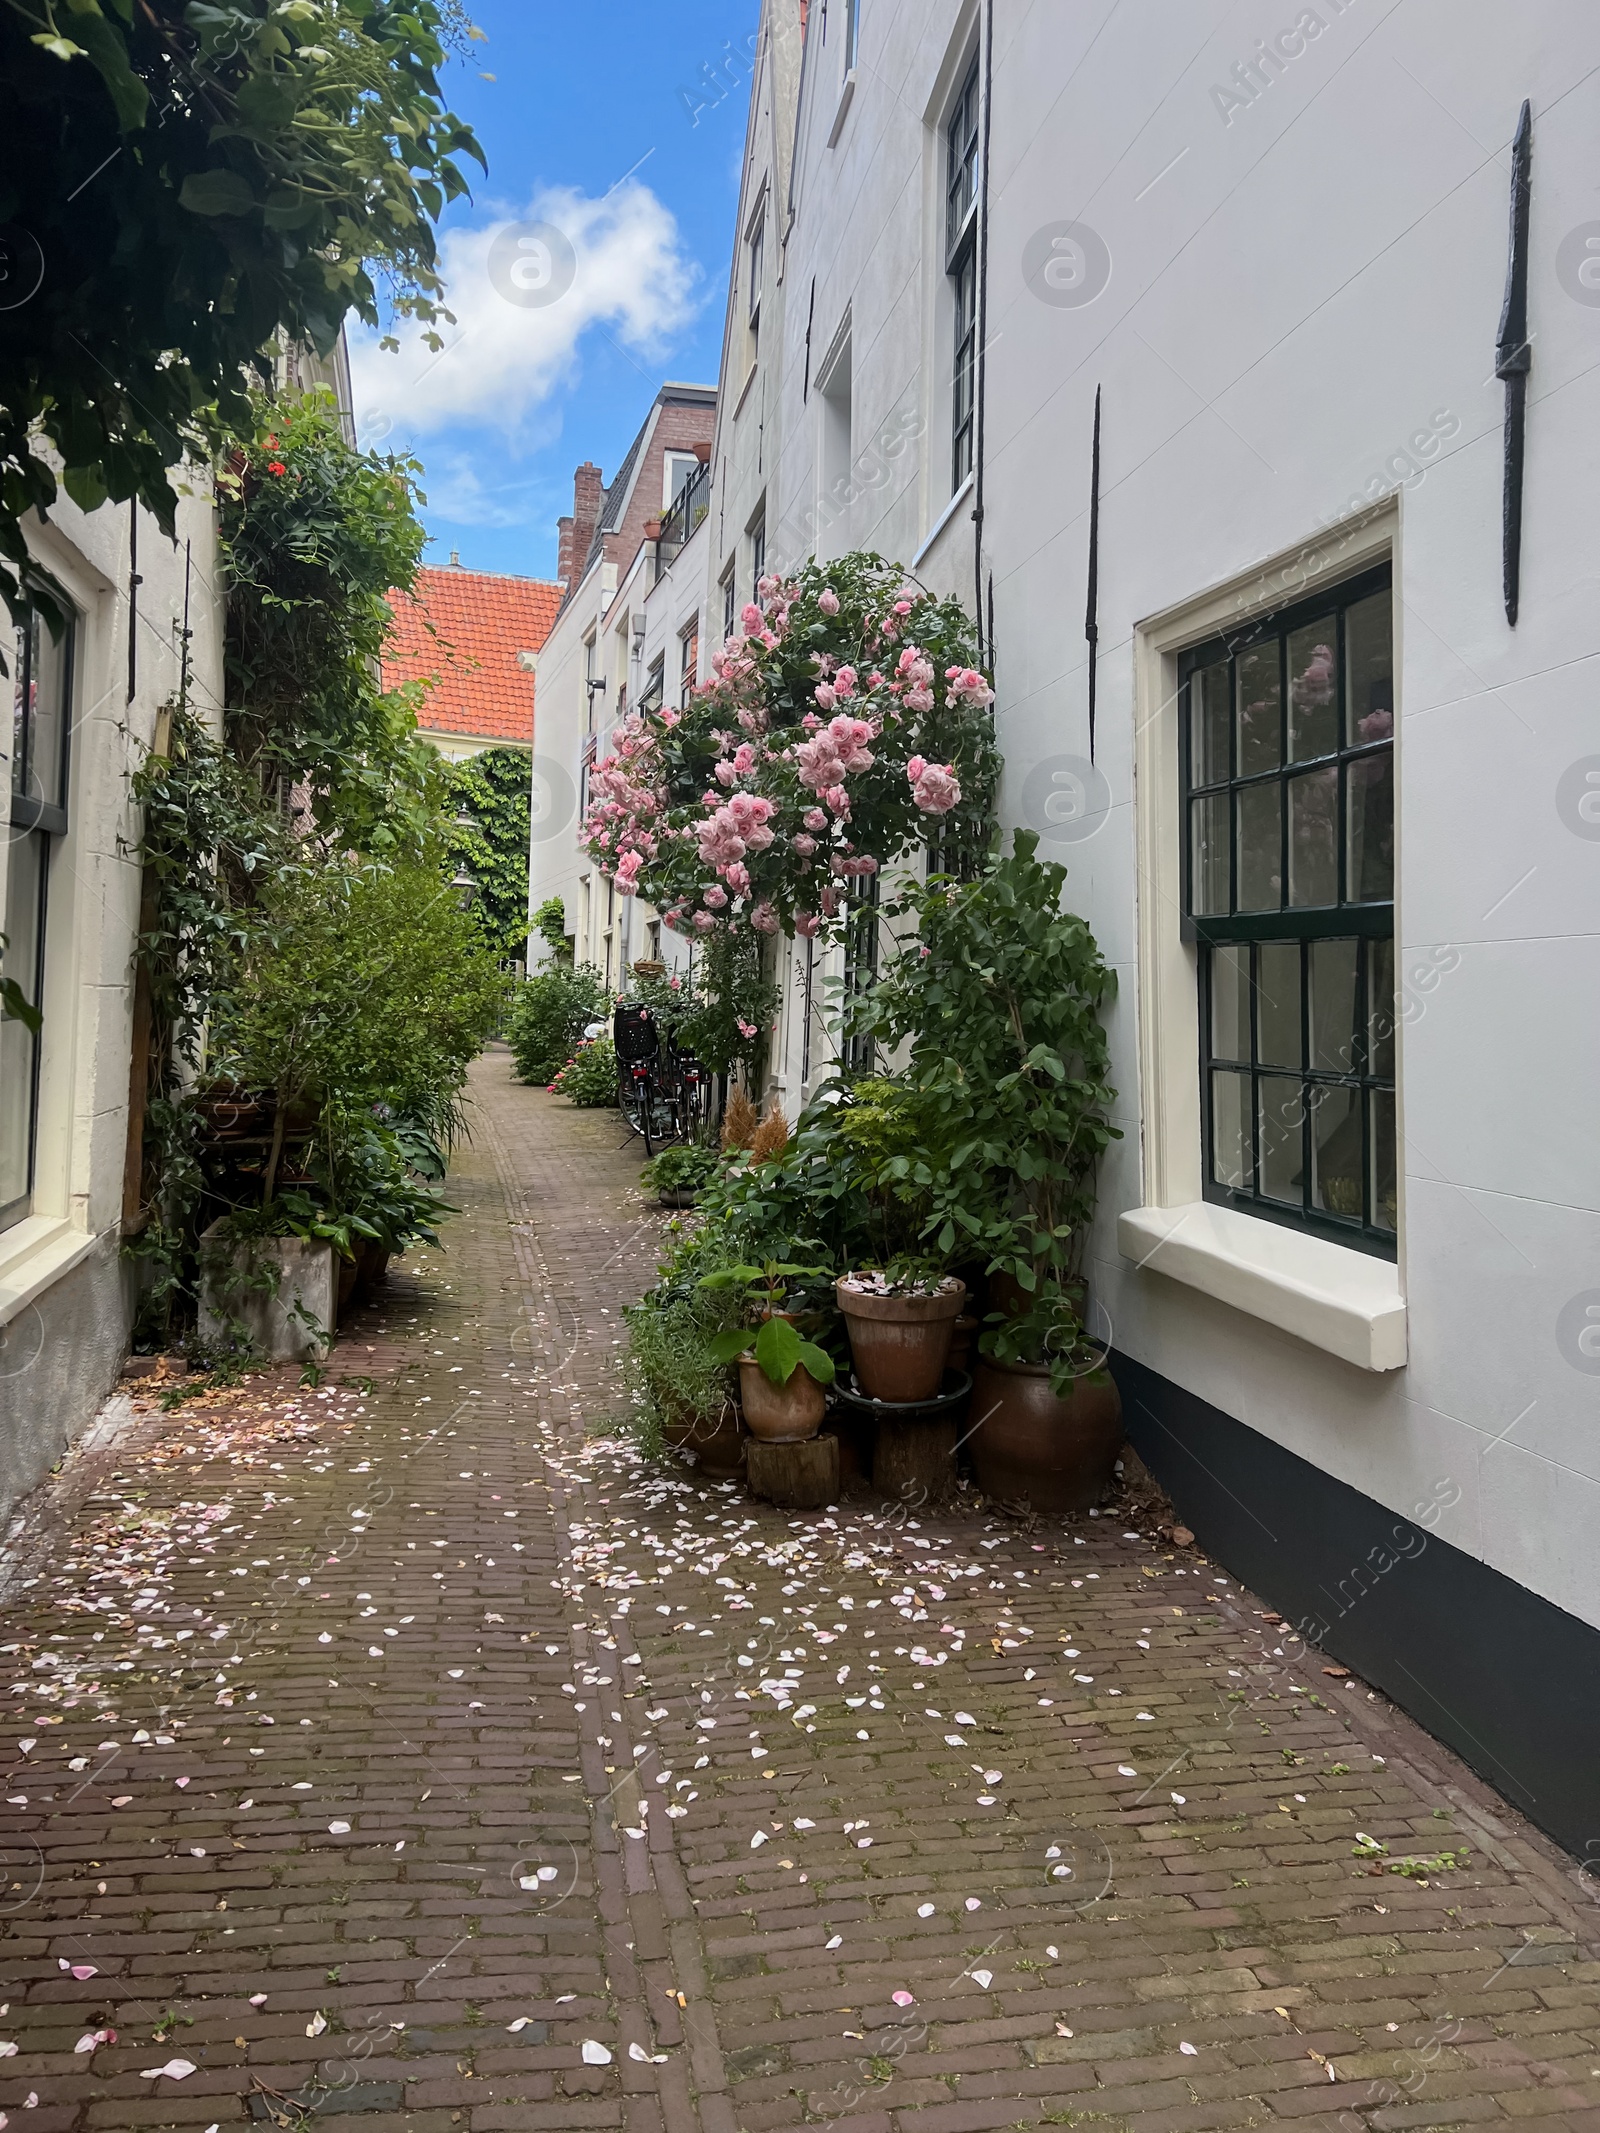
(575, 534)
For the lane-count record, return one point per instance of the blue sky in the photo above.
(591, 144)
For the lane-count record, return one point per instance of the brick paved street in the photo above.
(404, 1752)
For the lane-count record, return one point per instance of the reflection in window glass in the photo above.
(1232, 1163)
(1260, 847)
(1278, 1003)
(1282, 1130)
(1260, 710)
(1313, 703)
(19, 1046)
(1287, 749)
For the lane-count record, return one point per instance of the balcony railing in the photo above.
(689, 507)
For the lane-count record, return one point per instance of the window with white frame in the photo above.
(677, 471)
(730, 598)
(688, 660)
(755, 274)
(594, 685)
(653, 694)
(1286, 732)
(758, 555)
(852, 34)
(961, 268)
(37, 819)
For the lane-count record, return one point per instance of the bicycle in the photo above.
(642, 1099)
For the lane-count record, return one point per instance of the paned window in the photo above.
(41, 671)
(1288, 746)
(961, 265)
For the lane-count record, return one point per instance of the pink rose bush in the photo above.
(847, 716)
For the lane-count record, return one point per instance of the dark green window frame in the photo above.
(961, 266)
(1287, 741)
(37, 746)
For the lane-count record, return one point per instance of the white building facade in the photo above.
(84, 716)
(1168, 343)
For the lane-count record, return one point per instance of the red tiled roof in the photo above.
(479, 625)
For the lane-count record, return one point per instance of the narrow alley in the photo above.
(411, 1750)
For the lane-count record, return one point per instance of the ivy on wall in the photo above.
(492, 801)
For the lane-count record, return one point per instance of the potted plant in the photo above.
(677, 1175)
(782, 1376)
(901, 1319)
(678, 1385)
(998, 999)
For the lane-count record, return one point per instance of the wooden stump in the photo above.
(796, 1477)
(915, 1462)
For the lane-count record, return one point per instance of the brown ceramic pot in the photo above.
(780, 1414)
(900, 1344)
(1054, 1454)
(717, 1441)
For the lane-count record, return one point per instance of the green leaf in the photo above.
(778, 1349)
(216, 192)
(14, 1006)
(818, 1361)
(725, 1346)
(86, 486)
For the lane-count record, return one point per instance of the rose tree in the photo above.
(846, 725)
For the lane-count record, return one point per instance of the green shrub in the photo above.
(361, 984)
(549, 1016)
(550, 923)
(589, 1078)
(683, 1169)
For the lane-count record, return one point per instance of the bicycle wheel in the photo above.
(647, 1115)
(628, 1102)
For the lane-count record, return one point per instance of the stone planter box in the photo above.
(305, 1275)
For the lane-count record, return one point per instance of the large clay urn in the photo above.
(1029, 1446)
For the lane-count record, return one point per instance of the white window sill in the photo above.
(33, 1254)
(846, 94)
(1340, 1300)
(944, 518)
(744, 391)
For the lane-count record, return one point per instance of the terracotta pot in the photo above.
(780, 1414)
(1030, 1446)
(717, 1441)
(899, 1344)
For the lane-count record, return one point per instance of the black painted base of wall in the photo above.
(1507, 1680)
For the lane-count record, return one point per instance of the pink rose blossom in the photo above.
(807, 925)
(805, 846)
(746, 1029)
(764, 918)
(737, 877)
(751, 618)
(716, 896)
(815, 819)
(935, 789)
(828, 600)
(704, 922)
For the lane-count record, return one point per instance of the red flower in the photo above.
(276, 466)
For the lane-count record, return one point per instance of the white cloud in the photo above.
(516, 339)
(459, 495)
